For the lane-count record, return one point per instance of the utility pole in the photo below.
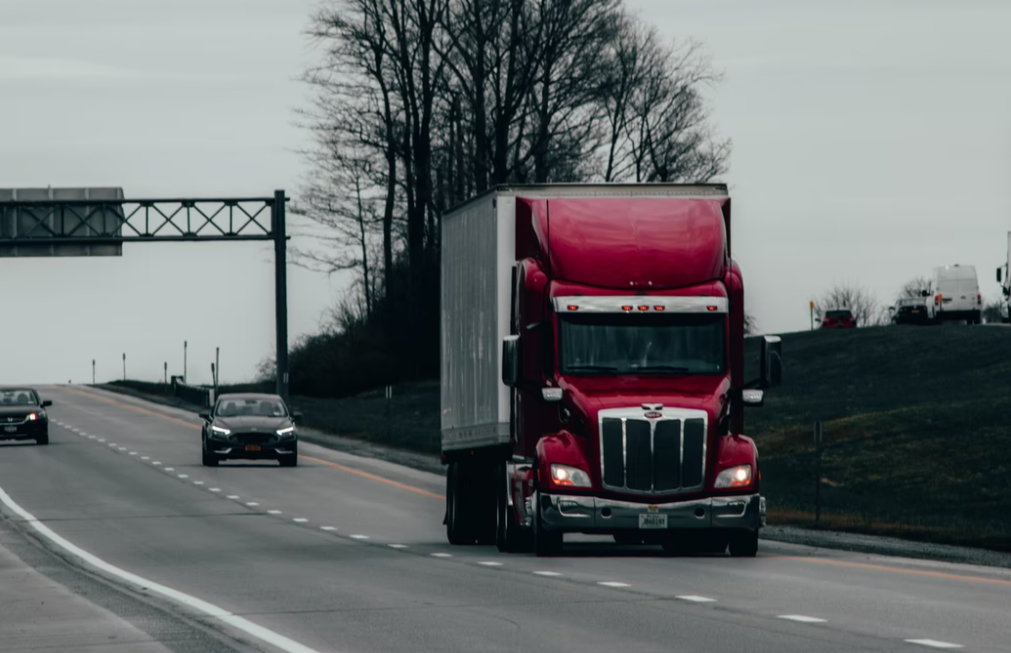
(185, 346)
(166, 372)
(217, 367)
(811, 306)
(124, 366)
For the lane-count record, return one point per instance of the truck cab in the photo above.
(621, 371)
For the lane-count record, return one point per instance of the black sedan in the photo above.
(23, 415)
(250, 427)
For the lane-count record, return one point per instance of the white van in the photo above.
(956, 294)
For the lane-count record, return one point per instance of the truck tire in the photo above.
(744, 544)
(458, 525)
(546, 543)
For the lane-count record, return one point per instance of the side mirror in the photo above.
(753, 398)
(511, 361)
(998, 275)
(772, 361)
(296, 416)
(47, 403)
(205, 414)
(891, 309)
(924, 293)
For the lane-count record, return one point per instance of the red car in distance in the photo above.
(838, 319)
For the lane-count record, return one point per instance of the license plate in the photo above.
(10, 429)
(252, 447)
(652, 520)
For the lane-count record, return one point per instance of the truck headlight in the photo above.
(217, 430)
(739, 476)
(286, 432)
(570, 476)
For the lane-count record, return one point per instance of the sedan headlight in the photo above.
(286, 432)
(570, 476)
(739, 476)
(217, 430)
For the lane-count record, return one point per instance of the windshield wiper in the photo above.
(590, 368)
(662, 368)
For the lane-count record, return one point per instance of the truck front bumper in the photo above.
(581, 514)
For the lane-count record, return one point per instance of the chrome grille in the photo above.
(646, 456)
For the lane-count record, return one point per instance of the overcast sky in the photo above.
(872, 141)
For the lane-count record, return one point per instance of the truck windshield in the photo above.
(642, 344)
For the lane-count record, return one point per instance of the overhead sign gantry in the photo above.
(99, 221)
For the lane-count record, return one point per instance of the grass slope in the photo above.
(916, 432)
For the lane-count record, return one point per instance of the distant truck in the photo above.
(956, 295)
(593, 370)
(1005, 306)
(838, 318)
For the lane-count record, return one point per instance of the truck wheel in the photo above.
(458, 530)
(744, 544)
(484, 488)
(546, 543)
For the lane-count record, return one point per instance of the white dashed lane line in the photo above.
(802, 618)
(145, 458)
(184, 476)
(359, 537)
(101, 439)
(933, 643)
(328, 528)
(233, 497)
(611, 583)
(273, 512)
(170, 469)
(157, 462)
(252, 504)
(696, 599)
(198, 482)
(438, 555)
(398, 546)
(300, 520)
(550, 574)
(490, 563)
(214, 489)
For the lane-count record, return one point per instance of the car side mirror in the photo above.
(753, 398)
(296, 416)
(205, 414)
(47, 403)
(891, 309)
(511, 361)
(924, 293)
(772, 362)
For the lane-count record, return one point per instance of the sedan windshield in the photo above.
(250, 407)
(17, 397)
(638, 344)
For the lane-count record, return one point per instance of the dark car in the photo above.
(911, 310)
(23, 415)
(250, 427)
(838, 319)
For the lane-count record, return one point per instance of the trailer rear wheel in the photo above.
(744, 544)
(458, 524)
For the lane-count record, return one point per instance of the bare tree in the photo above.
(750, 325)
(860, 301)
(916, 286)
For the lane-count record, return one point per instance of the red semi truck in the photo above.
(593, 370)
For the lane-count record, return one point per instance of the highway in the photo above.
(117, 526)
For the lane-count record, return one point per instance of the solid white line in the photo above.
(300, 520)
(328, 528)
(490, 563)
(696, 599)
(933, 643)
(359, 537)
(547, 573)
(263, 634)
(802, 619)
(611, 583)
(442, 555)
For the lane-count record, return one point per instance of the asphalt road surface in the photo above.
(115, 538)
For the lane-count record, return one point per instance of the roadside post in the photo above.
(817, 471)
(810, 305)
(389, 398)
(92, 371)
(124, 366)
